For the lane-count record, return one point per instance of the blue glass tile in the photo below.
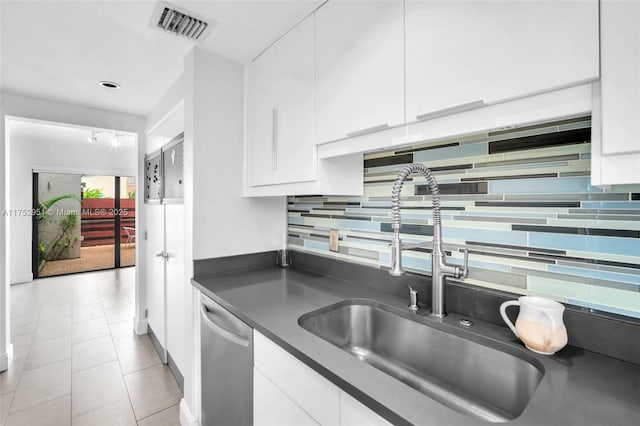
(417, 216)
(368, 212)
(380, 246)
(470, 150)
(605, 308)
(591, 273)
(483, 265)
(556, 164)
(514, 214)
(485, 235)
(318, 245)
(611, 205)
(368, 203)
(414, 263)
(296, 220)
(596, 244)
(358, 224)
(425, 264)
(542, 186)
(394, 168)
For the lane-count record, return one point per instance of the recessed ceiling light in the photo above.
(109, 84)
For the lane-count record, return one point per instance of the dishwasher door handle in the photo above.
(220, 330)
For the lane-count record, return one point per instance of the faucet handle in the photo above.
(465, 268)
(413, 299)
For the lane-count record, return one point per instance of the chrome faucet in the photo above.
(439, 267)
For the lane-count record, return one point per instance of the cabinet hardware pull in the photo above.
(452, 110)
(274, 140)
(368, 130)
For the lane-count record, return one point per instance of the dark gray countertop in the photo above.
(578, 387)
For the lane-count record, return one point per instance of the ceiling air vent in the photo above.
(180, 22)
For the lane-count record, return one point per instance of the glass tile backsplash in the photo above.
(520, 200)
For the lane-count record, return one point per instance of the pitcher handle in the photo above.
(503, 312)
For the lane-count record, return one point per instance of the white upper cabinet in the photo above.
(462, 55)
(616, 127)
(359, 67)
(261, 103)
(621, 76)
(280, 111)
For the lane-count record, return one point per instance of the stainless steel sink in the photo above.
(472, 375)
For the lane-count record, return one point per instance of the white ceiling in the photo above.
(61, 49)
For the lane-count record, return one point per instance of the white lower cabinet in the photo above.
(309, 390)
(272, 407)
(287, 392)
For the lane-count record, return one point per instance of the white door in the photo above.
(155, 271)
(175, 281)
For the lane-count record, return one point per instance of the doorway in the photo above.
(82, 223)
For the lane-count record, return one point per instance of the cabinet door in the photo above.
(175, 283)
(463, 52)
(620, 77)
(616, 130)
(359, 67)
(272, 407)
(155, 271)
(295, 148)
(315, 394)
(261, 99)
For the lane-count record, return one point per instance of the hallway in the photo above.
(76, 360)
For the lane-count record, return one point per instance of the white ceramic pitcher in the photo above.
(539, 324)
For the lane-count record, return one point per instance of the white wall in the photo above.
(224, 222)
(219, 221)
(53, 148)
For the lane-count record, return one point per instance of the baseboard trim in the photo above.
(186, 416)
(23, 279)
(175, 371)
(5, 357)
(140, 326)
(157, 345)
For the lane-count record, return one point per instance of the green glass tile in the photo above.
(555, 287)
(571, 174)
(369, 254)
(613, 297)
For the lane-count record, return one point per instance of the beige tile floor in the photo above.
(76, 359)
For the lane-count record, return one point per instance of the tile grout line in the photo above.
(122, 373)
(19, 379)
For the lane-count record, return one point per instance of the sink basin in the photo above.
(481, 378)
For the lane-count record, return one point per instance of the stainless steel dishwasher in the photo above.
(227, 367)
